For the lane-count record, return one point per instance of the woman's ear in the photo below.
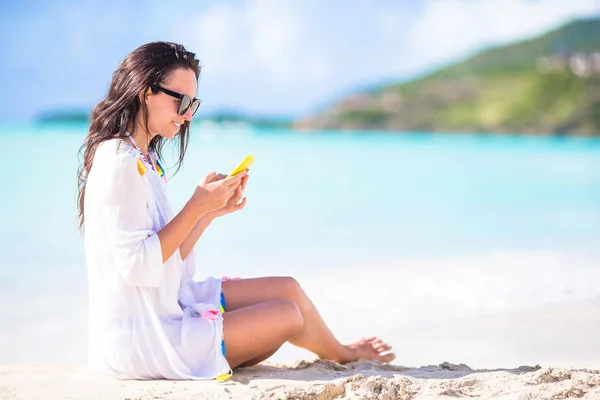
(144, 94)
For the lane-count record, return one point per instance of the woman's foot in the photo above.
(370, 348)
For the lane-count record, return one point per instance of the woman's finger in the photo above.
(234, 195)
(208, 178)
(234, 180)
(237, 196)
(244, 182)
(241, 205)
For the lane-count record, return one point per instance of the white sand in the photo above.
(549, 352)
(42, 357)
(309, 380)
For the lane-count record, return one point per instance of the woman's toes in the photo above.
(380, 348)
(371, 348)
(387, 358)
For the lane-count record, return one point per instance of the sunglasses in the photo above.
(185, 102)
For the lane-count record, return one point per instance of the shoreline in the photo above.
(559, 334)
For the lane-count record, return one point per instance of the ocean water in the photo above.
(421, 227)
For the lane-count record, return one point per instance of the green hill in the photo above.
(546, 85)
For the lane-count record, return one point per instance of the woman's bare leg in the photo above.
(314, 336)
(259, 329)
(258, 359)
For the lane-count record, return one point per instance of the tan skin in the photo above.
(262, 313)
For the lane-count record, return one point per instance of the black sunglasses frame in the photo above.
(192, 103)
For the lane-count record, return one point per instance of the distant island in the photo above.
(232, 116)
(63, 116)
(546, 85)
(221, 117)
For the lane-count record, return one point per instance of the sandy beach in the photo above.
(321, 380)
(427, 172)
(548, 352)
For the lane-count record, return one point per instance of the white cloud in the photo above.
(275, 38)
(451, 28)
(266, 56)
(264, 37)
(217, 39)
(315, 51)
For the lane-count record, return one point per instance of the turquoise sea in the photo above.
(412, 218)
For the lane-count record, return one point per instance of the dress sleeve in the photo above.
(132, 240)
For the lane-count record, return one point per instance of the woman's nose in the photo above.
(188, 115)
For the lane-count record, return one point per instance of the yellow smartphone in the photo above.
(243, 165)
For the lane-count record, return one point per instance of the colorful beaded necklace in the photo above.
(141, 161)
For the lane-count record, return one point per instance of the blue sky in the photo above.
(268, 57)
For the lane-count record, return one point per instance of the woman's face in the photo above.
(163, 118)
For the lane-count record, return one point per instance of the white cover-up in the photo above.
(147, 319)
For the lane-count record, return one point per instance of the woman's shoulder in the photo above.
(116, 154)
(116, 148)
(115, 170)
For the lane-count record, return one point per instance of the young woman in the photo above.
(148, 318)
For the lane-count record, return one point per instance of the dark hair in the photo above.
(144, 68)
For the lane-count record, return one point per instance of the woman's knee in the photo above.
(291, 287)
(293, 316)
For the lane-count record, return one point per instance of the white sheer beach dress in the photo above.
(147, 319)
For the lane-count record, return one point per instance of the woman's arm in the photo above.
(206, 219)
(181, 229)
(138, 251)
(197, 231)
(185, 229)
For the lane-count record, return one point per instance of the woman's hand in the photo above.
(214, 192)
(233, 204)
